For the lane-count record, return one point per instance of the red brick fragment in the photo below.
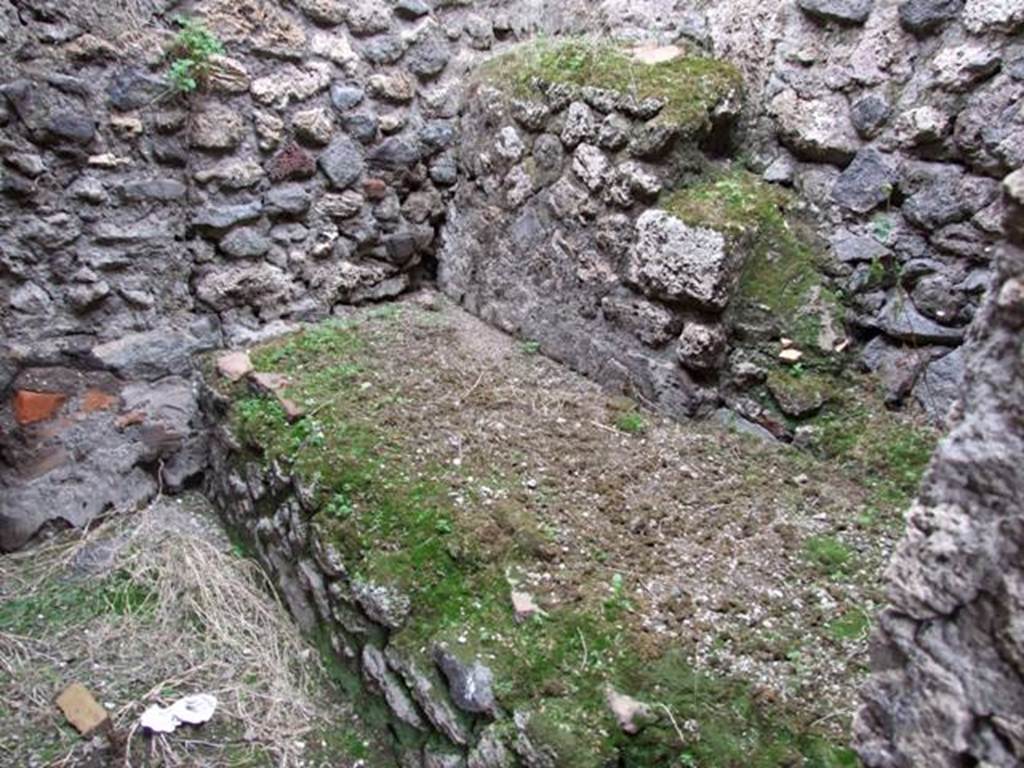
(97, 400)
(30, 407)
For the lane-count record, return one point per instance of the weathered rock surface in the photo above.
(946, 688)
(840, 11)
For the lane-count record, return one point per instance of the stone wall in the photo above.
(948, 653)
(894, 121)
(138, 227)
(319, 166)
(553, 236)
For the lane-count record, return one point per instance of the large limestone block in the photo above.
(673, 261)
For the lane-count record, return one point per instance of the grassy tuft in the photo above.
(631, 422)
(890, 451)
(829, 554)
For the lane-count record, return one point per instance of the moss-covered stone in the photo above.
(781, 281)
(800, 393)
(689, 87)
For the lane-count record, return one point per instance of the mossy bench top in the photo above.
(689, 85)
(680, 563)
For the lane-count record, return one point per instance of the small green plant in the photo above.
(829, 554)
(631, 423)
(619, 602)
(194, 47)
(851, 625)
(339, 507)
(530, 347)
(882, 226)
(877, 271)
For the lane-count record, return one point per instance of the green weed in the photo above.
(193, 50)
(851, 625)
(631, 422)
(68, 604)
(829, 554)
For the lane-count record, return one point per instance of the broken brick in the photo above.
(30, 407)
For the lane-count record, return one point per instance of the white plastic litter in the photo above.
(193, 710)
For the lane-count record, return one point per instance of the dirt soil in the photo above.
(753, 557)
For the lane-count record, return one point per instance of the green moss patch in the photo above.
(64, 605)
(689, 86)
(781, 280)
(889, 451)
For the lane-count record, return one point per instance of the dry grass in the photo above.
(186, 616)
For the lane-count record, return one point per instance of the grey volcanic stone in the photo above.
(925, 16)
(396, 152)
(73, 127)
(329, 12)
(134, 89)
(866, 183)
(900, 319)
(222, 217)
(368, 17)
(427, 691)
(897, 366)
(444, 170)
(154, 189)
(650, 322)
(674, 261)
(288, 200)
(438, 134)
(851, 248)
(344, 97)
(87, 296)
(936, 297)
(428, 56)
(149, 355)
(470, 684)
(946, 196)
(817, 129)
(840, 11)
(701, 346)
(342, 161)
(579, 125)
(258, 284)
(384, 605)
(939, 385)
(383, 49)
(869, 115)
(376, 672)
(490, 751)
(362, 126)
(244, 243)
(411, 9)
(945, 687)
